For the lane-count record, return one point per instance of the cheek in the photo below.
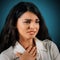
(38, 27)
(19, 27)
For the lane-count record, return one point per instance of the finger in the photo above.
(29, 49)
(18, 54)
(32, 51)
(35, 57)
(34, 54)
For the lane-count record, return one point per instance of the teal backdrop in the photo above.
(50, 10)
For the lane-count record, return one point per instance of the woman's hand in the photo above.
(29, 54)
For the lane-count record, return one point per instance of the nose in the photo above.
(32, 25)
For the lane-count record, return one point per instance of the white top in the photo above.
(46, 50)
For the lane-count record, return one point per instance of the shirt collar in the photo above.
(39, 44)
(18, 48)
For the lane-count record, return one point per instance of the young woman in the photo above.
(25, 36)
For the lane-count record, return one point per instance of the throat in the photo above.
(27, 43)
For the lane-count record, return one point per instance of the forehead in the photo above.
(28, 15)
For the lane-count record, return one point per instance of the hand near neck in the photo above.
(26, 42)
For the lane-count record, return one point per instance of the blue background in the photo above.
(50, 10)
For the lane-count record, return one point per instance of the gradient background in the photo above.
(50, 10)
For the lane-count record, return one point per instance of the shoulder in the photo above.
(51, 48)
(50, 44)
(47, 43)
(7, 54)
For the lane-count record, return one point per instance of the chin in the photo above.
(31, 37)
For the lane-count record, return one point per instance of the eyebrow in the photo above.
(31, 19)
(27, 19)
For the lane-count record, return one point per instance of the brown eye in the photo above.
(37, 21)
(28, 21)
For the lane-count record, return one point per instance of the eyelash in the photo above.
(28, 22)
(37, 21)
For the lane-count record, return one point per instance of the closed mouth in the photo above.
(32, 32)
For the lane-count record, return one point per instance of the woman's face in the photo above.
(28, 25)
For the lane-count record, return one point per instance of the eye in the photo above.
(37, 21)
(27, 21)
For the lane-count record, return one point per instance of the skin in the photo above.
(28, 27)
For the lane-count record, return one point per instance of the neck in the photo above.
(26, 42)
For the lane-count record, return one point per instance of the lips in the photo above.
(32, 32)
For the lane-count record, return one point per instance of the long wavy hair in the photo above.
(9, 34)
